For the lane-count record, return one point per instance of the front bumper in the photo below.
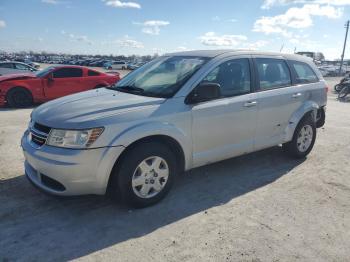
(63, 171)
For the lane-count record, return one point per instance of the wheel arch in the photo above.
(308, 107)
(19, 86)
(169, 141)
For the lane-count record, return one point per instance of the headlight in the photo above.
(73, 138)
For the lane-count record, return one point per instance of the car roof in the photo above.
(214, 53)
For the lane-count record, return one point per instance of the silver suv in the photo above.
(177, 112)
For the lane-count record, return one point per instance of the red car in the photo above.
(22, 90)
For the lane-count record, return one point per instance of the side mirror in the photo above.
(205, 91)
(50, 78)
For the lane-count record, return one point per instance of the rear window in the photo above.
(304, 73)
(93, 73)
(273, 73)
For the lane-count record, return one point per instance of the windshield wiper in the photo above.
(129, 88)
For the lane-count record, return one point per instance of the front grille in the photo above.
(42, 128)
(39, 133)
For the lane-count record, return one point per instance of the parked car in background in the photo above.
(135, 66)
(22, 90)
(12, 67)
(117, 65)
(177, 112)
(31, 63)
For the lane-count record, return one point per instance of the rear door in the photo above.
(64, 81)
(278, 98)
(225, 127)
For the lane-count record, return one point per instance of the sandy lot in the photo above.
(259, 207)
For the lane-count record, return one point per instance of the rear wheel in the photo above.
(19, 97)
(303, 138)
(144, 175)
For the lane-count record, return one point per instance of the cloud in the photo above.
(216, 18)
(295, 18)
(270, 3)
(120, 4)
(127, 42)
(52, 2)
(2, 24)
(181, 48)
(77, 38)
(212, 39)
(152, 27)
(256, 45)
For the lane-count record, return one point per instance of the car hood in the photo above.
(21, 76)
(92, 108)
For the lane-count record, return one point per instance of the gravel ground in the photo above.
(259, 207)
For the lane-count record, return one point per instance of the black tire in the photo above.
(120, 186)
(321, 114)
(291, 148)
(19, 97)
(344, 92)
(338, 88)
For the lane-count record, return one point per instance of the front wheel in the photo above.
(303, 139)
(144, 175)
(19, 97)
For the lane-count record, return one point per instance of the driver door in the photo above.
(225, 127)
(63, 81)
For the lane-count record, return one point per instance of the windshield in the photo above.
(162, 77)
(43, 72)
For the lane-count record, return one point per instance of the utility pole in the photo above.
(346, 37)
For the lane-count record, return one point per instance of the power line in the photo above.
(346, 37)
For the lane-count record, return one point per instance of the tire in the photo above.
(295, 147)
(19, 97)
(338, 88)
(138, 166)
(321, 118)
(344, 92)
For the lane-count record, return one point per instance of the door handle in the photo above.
(250, 103)
(296, 95)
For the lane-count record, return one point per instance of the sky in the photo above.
(145, 27)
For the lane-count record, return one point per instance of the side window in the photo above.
(21, 67)
(93, 73)
(233, 77)
(304, 73)
(68, 72)
(273, 73)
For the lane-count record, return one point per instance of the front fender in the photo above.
(308, 106)
(143, 130)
